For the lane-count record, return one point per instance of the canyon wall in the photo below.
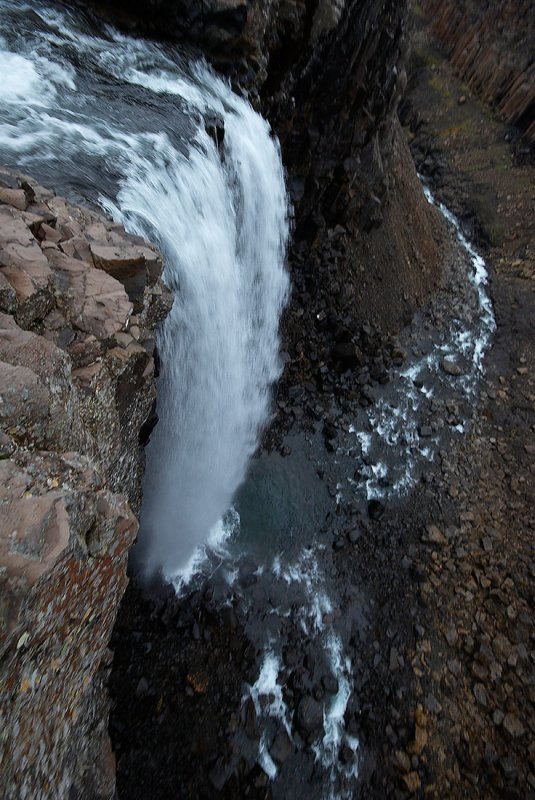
(363, 227)
(329, 75)
(79, 300)
(491, 45)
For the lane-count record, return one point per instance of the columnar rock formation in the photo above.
(78, 302)
(491, 46)
(353, 181)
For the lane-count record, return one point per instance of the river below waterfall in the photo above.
(263, 655)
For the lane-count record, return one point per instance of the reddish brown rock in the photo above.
(75, 389)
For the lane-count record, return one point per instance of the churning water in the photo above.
(121, 121)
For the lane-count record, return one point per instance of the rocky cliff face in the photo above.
(362, 223)
(491, 46)
(329, 75)
(79, 300)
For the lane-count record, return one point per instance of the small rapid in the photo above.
(123, 122)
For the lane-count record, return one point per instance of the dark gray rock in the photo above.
(282, 748)
(309, 716)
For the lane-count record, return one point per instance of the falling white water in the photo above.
(219, 347)
(124, 115)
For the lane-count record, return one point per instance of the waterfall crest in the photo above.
(122, 121)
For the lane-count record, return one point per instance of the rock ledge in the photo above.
(79, 300)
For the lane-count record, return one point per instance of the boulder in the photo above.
(309, 716)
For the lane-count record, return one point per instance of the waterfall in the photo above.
(123, 121)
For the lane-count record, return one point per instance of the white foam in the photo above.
(328, 749)
(266, 693)
(265, 760)
(162, 82)
(20, 80)
(395, 424)
(225, 529)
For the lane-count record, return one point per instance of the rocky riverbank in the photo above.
(79, 302)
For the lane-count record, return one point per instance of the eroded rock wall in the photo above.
(359, 207)
(79, 299)
(491, 45)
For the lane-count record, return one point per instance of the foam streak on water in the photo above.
(394, 421)
(127, 117)
(313, 614)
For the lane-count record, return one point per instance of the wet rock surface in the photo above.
(77, 373)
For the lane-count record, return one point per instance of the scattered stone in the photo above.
(402, 761)
(354, 535)
(432, 704)
(480, 694)
(330, 684)
(417, 745)
(497, 717)
(309, 716)
(451, 636)
(282, 748)
(433, 535)
(376, 509)
(412, 782)
(451, 367)
(513, 726)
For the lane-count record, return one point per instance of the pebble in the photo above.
(419, 742)
(497, 717)
(282, 748)
(433, 535)
(309, 715)
(402, 761)
(480, 694)
(412, 781)
(330, 684)
(432, 704)
(451, 636)
(451, 367)
(513, 726)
